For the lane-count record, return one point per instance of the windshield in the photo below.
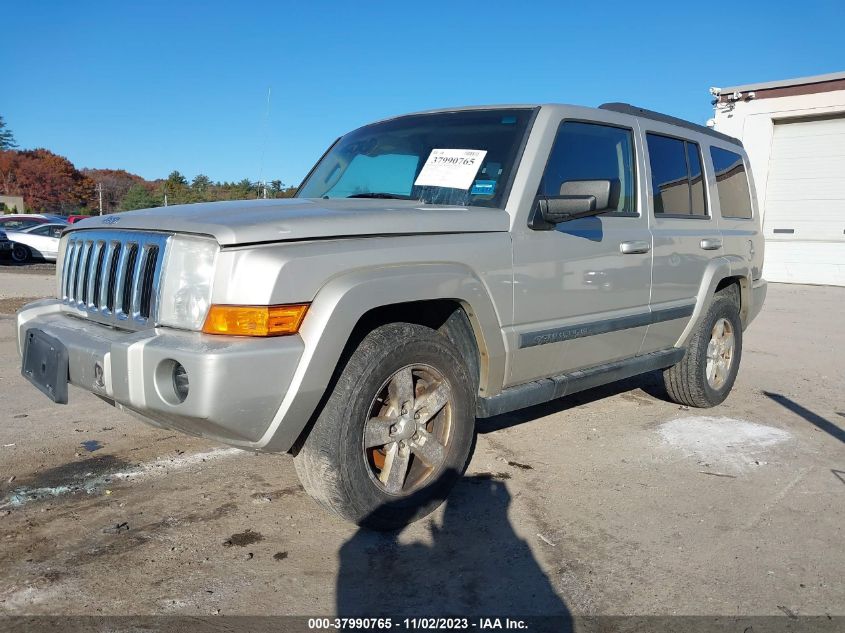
(454, 158)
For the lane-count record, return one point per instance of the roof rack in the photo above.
(627, 108)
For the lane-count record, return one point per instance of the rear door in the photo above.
(686, 235)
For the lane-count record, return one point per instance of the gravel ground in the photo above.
(34, 268)
(614, 501)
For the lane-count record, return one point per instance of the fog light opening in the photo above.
(171, 382)
(181, 384)
(99, 376)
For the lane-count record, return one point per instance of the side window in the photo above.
(16, 225)
(41, 230)
(677, 183)
(731, 183)
(591, 151)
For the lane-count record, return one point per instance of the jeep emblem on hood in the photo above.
(112, 219)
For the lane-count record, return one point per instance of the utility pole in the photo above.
(100, 191)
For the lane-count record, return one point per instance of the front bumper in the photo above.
(236, 384)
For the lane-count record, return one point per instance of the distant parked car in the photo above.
(40, 241)
(20, 221)
(5, 243)
(55, 217)
(76, 218)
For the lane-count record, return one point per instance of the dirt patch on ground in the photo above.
(242, 539)
(11, 305)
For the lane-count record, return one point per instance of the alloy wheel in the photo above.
(409, 429)
(720, 353)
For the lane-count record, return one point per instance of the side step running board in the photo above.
(539, 391)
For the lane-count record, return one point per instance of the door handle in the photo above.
(632, 248)
(711, 244)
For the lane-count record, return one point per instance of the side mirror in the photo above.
(577, 199)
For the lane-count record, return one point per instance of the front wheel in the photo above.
(706, 374)
(397, 431)
(20, 254)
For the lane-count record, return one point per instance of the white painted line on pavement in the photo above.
(96, 484)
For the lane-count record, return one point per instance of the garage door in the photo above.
(804, 220)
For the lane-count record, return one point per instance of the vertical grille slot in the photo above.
(112, 276)
(112, 283)
(147, 278)
(86, 271)
(129, 279)
(77, 272)
(68, 267)
(96, 299)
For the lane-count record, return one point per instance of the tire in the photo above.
(21, 253)
(704, 377)
(394, 364)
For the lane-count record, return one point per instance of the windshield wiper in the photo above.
(381, 195)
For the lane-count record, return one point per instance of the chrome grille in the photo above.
(113, 276)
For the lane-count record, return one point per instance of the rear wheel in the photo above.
(21, 253)
(706, 374)
(396, 432)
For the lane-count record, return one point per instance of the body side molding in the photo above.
(556, 335)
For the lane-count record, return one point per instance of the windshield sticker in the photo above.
(483, 188)
(454, 168)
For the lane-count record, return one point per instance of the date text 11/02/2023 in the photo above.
(482, 624)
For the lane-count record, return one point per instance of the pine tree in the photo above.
(7, 139)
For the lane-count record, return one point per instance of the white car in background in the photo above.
(36, 242)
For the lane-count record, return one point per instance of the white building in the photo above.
(794, 133)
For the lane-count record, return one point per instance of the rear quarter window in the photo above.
(731, 184)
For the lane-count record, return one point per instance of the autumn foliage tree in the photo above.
(49, 183)
(115, 183)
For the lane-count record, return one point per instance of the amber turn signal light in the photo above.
(255, 320)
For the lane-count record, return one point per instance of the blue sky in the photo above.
(155, 86)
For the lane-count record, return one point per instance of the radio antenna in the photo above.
(261, 183)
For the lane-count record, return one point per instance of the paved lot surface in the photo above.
(611, 502)
(24, 282)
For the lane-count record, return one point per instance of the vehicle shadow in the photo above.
(650, 383)
(823, 424)
(474, 565)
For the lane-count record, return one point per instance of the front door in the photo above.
(581, 288)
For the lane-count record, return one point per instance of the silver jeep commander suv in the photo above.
(432, 268)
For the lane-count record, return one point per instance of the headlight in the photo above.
(186, 282)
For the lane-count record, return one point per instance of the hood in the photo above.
(255, 221)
